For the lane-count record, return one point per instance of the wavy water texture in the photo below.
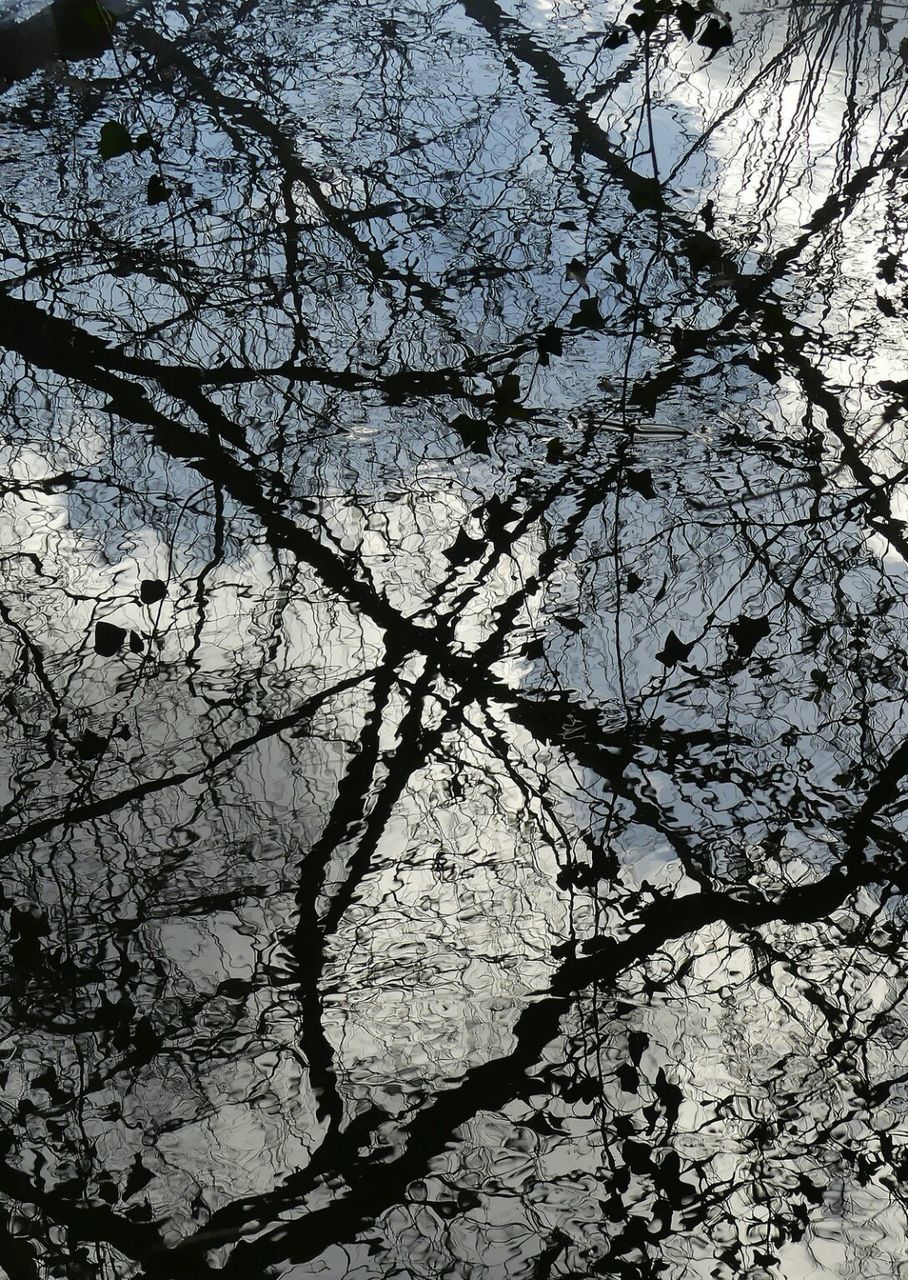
(453, 499)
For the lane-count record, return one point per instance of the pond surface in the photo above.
(453, 628)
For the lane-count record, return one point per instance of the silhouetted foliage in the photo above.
(453, 613)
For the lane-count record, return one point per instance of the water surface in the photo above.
(454, 616)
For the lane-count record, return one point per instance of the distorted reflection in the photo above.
(454, 608)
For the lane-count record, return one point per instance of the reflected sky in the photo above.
(452, 629)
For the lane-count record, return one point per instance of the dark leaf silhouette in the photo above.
(764, 365)
(667, 1177)
(888, 267)
(464, 549)
(473, 433)
(628, 1078)
(151, 590)
(748, 632)
(688, 18)
(703, 252)
(114, 140)
(674, 651)
(575, 273)
(646, 16)
(649, 391)
(641, 482)
(108, 639)
(91, 745)
(716, 35)
(27, 928)
(669, 1095)
(637, 1044)
(158, 191)
(645, 194)
(139, 1177)
(508, 391)
(588, 315)
(549, 343)
(507, 405)
(900, 388)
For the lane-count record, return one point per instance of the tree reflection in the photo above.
(454, 605)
